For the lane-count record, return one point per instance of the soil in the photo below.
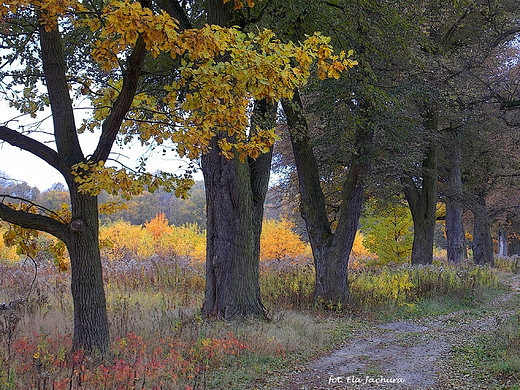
(415, 354)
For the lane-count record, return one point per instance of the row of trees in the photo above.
(424, 104)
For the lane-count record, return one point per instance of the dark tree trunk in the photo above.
(91, 331)
(234, 223)
(235, 194)
(422, 201)
(456, 243)
(232, 287)
(331, 250)
(482, 241)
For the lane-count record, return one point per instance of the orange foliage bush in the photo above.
(279, 242)
(157, 237)
(122, 240)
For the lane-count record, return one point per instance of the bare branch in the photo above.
(34, 221)
(40, 150)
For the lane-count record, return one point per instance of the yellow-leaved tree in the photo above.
(202, 105)
(279, 242)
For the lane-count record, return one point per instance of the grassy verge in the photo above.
(160, 339)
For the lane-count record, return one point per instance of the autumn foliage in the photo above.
(157, 237)
(279, 242)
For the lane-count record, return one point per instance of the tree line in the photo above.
(418, 105)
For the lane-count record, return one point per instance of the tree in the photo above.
(338, 130)
(204, 91)
(236, 188)
(421, 195)
(387, 228)
(80, 230)
(453, 196)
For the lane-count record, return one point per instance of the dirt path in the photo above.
(414, 354)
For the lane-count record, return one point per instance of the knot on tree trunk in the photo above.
(77, 225)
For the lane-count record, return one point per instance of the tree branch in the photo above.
(40, 150)
(112, 123)
(34, 221)
(504, 36)
(173, 8)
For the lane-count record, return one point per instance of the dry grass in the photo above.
(153, 306)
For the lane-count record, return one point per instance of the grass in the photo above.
(159, 338)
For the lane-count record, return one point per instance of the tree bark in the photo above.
(91, 332)
(482, 241)
(232, 261)
(331, 250)
(235, 194)
(423, 201)
(456, 243)
(455, 237)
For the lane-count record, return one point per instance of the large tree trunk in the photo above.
(331, 250)
(232, 253)
(235, 195)
(456, 245)
(423, 202)
(456, 241)
(91, 331)
(482, 241)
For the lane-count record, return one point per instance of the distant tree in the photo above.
(388, 231)
(279, 242)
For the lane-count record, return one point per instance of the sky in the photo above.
(20, 165)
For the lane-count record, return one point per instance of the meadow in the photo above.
(160, 340)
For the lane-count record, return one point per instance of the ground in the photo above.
(416, 354)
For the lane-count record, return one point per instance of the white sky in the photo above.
(21, 165)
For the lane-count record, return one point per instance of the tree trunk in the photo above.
(91, 331)
(482, 241)
(235, 194)
(330, 250)
(232, 255)
(503, 244)
(456, 246)
(456, 242)
(423, 202)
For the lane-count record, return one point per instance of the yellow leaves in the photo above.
(12, 6)
(122, 23)
(49, 10)
(61, 258)
(24, 240)
(225, 70)
(279, 242)
(112, 207)
(157, 237)
(95, 177)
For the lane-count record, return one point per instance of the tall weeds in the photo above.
(159, 339)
